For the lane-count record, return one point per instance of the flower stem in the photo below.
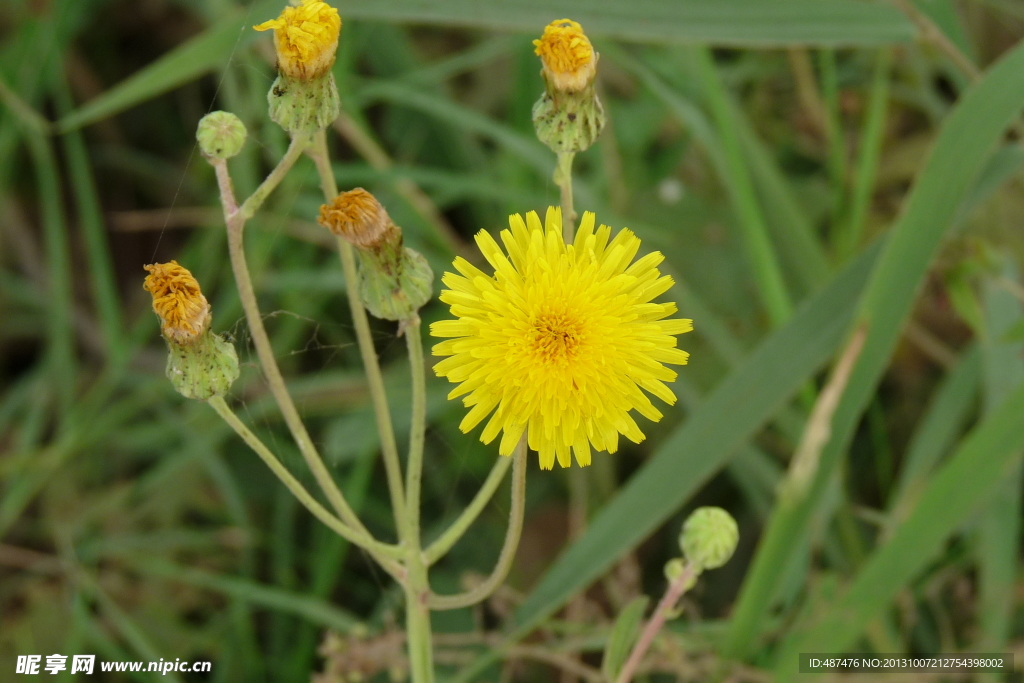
(417, 431)
(251, 205)
(319, 511)
(450, 537)
(236, 249)
(508, 550)
(676, 589)
(563, 178)
(374, 379)
(417, 621)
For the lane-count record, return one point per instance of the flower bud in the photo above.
(569, 116)
(674, 568)
(569, 60)
(304, 98)
(394, 281)
(709, 537)
(305, 39)
(200, 364)
(221, 135)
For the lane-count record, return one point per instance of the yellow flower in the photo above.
(560, 340)
(183, 310)
(306, 38)
(568, 57)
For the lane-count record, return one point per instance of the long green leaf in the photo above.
(312, 609)
(739, 23)
(945, 418)
(185, 63)
(965, 144)
(955, 492)
(998, 534)
(730, 415)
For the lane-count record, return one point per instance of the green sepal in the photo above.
(568, 121)
(304, 107)
(203, 369)
(394, 281)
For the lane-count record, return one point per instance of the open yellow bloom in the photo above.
(306, 39)
(561, 340)
(568, 57)
(183, 310)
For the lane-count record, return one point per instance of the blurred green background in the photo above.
(806, 166)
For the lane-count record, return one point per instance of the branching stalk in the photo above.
(298, 490)
(236, 249)
(251, 205)
(450, 537)
(374, 378)
(508, 550)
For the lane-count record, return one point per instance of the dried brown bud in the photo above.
(357, 216)
(394, 281)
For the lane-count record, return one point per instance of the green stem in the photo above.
(417, 431)
(450, 537)
(251, 205)
(374, 378)
(563, 178)
(508, 550)
(417, 621)
(298, 490)
(767, 272)
(676, 589)
(236, 250)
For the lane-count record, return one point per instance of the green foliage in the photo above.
(623, 637)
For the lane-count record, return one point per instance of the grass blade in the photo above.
(955, 492)
(187, 62)
(738, 23)
(965, 143)
(998, 536)
(947, 414)
(768, 274)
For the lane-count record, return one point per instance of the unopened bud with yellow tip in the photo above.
(394, 281)
(569, 116)
(200, 364)
(221, 135)
(709, 537)
(304, 98)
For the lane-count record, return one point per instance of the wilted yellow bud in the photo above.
(394, 281)
(306, 39)
(568, 57)
(200, 364)
(357, 216)
(183, 310)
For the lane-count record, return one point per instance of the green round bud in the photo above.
(709, 537)
(221, 135)
(674, 569)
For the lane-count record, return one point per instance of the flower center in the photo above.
(555, 337)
